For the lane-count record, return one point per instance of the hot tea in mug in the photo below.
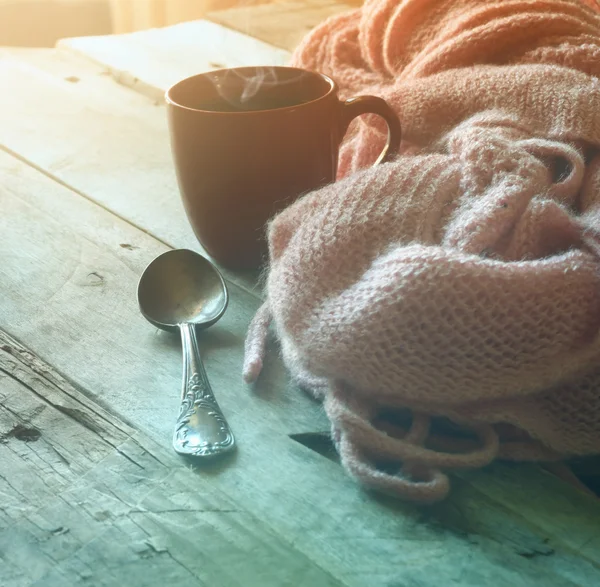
(248, 141)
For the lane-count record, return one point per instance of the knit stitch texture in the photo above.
(446, 305)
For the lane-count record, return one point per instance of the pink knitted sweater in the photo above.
(446, 305)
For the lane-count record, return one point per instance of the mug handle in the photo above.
(373, 105)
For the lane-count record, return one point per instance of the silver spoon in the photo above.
(181, 290)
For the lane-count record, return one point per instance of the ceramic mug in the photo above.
(248, 141)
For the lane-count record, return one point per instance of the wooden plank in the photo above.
(68, 289)
(72, 290)
(263, 33)
(281, 24)
(108, 506)
(151, 61)
(99, 138)
(497, 518)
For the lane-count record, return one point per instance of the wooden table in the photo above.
(91, 492)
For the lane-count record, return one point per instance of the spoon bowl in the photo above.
(182, 286)
(182, 290)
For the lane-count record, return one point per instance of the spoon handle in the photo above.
(201, 428)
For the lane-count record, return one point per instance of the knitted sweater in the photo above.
(446, 305)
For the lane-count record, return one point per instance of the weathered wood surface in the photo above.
(127, 167)
(68, 290)
(281, 24)
(87, 500)
(87, 199)
(151, 61)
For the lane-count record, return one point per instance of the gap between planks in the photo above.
(62, 526)
(283, 24)
(108, 505)
(152, 60)
(119, 153)
(364, 518)
(73, 189)
(508, 520)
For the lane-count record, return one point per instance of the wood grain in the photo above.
(86, 500)
(99, 138)
(151, 61)
(68, 289)
(88, 198)
(281, 24)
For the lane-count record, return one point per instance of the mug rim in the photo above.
(172, 102)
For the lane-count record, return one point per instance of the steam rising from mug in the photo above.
(240, 94)
(249, 141)
(254, 82)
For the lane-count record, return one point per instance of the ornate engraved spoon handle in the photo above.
(201, 428)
